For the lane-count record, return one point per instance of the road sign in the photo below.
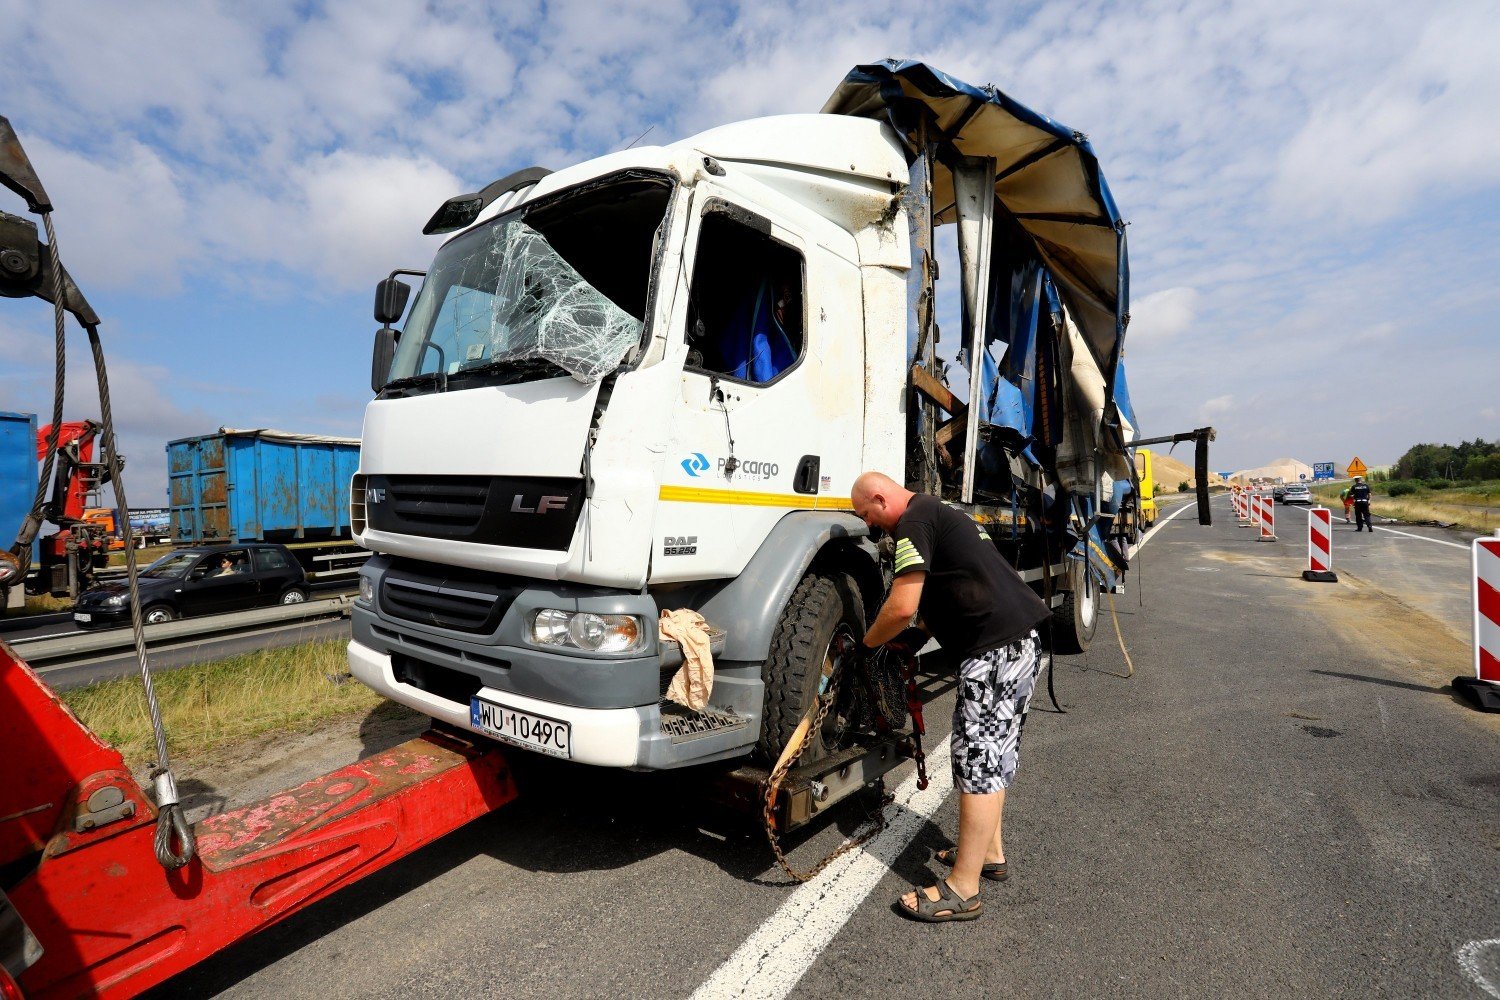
(1322, 470)
(1356, 468)
(1301, 475)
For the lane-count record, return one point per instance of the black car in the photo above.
(199, 581)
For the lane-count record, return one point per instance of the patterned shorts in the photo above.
(994, 691)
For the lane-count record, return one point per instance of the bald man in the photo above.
(980, 610)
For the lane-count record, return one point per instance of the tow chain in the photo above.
(812, 722)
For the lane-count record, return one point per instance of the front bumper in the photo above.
(610, 737)
(102, 617)
(646, 737)
(613, 703)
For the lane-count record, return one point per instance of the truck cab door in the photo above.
(762, 428)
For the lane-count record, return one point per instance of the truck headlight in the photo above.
(586, 630)
(367, 590)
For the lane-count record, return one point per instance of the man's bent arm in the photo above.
(899, 608)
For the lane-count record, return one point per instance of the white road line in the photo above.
(1190, 505)
(1468, 960)
(1421, 538)
(774, 958)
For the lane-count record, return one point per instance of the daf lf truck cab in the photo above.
(648, 382)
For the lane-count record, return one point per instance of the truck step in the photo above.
(684, 724)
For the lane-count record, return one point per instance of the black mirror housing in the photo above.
(390, 300)
(382, 356)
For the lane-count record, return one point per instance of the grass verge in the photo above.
(143, 557)
(1462, 509)
(44, 604)
(207, 706)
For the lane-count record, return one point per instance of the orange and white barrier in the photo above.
(1319, 547)
(1484, 686)
(1267, 519)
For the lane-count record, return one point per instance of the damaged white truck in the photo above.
(648, 381)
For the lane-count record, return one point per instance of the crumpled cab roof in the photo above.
(1047, 177)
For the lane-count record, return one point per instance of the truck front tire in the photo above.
(802, 655)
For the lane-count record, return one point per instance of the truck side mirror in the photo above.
(382, 356)
(390, 300)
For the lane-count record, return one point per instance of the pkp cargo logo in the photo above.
(695, 464)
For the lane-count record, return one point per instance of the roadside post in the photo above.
(1484, 687)
(1251, 505)
(1320, 547)
(1267, 519)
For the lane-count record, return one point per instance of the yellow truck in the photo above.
(1148, 487)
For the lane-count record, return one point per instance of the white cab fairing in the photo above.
(525, 429)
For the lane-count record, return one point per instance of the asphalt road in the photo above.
(1285, 799)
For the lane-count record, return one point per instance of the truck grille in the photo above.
(444, 505)
(532, 513)
(462, 600)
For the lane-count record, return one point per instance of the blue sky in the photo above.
(1313, 190)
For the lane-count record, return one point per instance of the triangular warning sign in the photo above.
(1356, 468)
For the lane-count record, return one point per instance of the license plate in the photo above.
(79, 616)
(534, 732)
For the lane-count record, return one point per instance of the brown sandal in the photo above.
(995, 871)
(948, 906)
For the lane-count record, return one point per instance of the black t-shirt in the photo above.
(973, 600)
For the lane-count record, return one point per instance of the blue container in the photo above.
(18, 472)
(264, 486)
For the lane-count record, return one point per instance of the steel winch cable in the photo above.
(171, 822)
(174, 845)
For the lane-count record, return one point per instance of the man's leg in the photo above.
(997, 846)
(975, 755)
(987, 721)
(978, 831)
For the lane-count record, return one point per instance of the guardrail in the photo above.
(81, 645)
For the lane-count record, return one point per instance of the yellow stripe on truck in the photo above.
(751, 498)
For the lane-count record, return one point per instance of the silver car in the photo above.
(1296, 494)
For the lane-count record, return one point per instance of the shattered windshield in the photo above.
(557, 288)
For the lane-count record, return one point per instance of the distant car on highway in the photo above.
(1295, 494)
(1278, 492)
(197, 581)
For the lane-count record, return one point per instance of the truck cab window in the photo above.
(745, 313)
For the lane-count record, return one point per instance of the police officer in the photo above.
(1360, 494)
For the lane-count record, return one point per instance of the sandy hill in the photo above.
(1169, 472)
(1286, 469)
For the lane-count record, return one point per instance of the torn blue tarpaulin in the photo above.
(1047, 179)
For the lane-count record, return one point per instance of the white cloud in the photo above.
(123, 219)
(278, 147)
(1163, 315)
(1217, 405)
(342, 221)
(1372, 148)
(141, 399)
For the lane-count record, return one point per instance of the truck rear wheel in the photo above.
(802, 658)
(1074, 621)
